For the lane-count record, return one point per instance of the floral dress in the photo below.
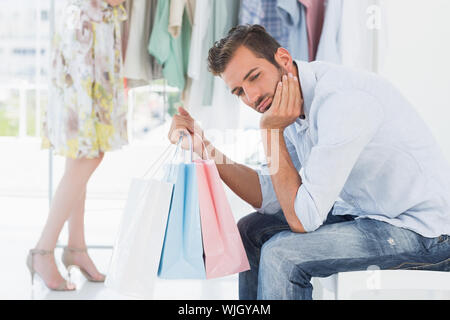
(87, 112)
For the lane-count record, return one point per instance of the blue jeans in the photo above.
(282, 262)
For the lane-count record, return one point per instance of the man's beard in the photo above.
(281, 72)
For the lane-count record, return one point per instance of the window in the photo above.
(44, 15)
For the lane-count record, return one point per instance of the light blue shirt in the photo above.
(363, 149)
(293, 15)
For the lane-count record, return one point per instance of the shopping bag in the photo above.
(182, 253)
(135, 260)
(222, 243)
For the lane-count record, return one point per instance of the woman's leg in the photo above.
(76, 223)
(67, 195)
(77, 239)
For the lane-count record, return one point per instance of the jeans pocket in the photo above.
(430, 243)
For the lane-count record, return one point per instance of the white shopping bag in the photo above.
(135, 260)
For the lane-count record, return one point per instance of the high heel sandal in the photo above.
(64, 286)
(68, 261)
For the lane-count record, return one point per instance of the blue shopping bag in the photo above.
(182, 252)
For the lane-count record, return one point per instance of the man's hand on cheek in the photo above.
(286, 105)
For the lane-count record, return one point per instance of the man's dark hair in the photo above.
(253, 37)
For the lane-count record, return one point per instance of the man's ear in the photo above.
(284, 59)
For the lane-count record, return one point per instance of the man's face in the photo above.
(252, 79)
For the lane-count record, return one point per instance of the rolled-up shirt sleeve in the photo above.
(346, 122)
(270, 203)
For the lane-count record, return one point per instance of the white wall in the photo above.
(418, 59)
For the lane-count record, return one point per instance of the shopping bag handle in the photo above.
(203, 143)
(164, 155)
(191, 146)
(191, 143)
(178, 148)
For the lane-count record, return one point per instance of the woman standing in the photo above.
(86, 117)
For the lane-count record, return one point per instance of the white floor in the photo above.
(23, 229)
(24, 208)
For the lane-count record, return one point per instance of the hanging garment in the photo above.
(264, 12)
(125, 28)
(176, 14)
(329, 44)
(140, 68)
(197, 70)
(203, 38)
(210, 101)
(364, 34)
(225, 106)
(87, 113)
(315, 12)
(292, 14)
(197, 54)
(177, 8)
(171, 53)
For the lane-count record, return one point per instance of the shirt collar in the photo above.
(308, 83)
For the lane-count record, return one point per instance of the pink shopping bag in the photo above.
(222, 243)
